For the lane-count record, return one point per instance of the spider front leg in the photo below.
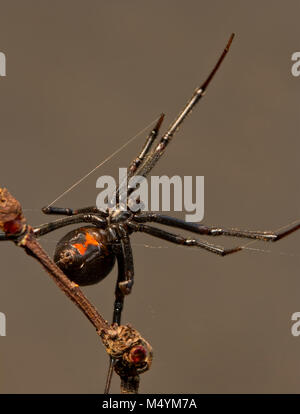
(154, 156)
(146, 148)
(135, 164)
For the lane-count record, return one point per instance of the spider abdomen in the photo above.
(84, 255)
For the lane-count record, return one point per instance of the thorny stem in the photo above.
(123, 343)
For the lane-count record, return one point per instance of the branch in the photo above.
(132, 354)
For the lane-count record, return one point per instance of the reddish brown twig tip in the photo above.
(218, 64)
(131, 353)
(125, 344)
(12, 220)
(159, 122)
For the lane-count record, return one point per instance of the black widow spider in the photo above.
(87, 254)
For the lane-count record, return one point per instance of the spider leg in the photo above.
(215, 230)
(119, 295)
(123, 252)
(70, 211)
(146, 148)
(79, 218)
(155, 155)
(118, 305)
(135, 164)
(58, 211)
(126, 284)
(4, 237)
(177, 239)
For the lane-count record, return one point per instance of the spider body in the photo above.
(85, 255)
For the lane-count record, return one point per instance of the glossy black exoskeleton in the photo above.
(84, 255)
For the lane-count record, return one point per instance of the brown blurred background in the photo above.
(82, 78)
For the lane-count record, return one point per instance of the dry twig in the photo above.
(131, 353)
